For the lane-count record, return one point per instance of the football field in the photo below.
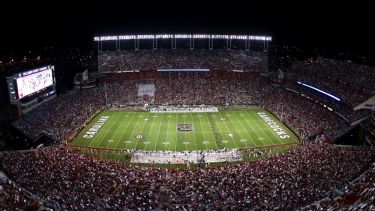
(184, 131)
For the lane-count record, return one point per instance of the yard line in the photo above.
(232, 136)
(198, 131)
(157, 137)
(134, 126)
(242, 125)
(266, 134)
(144, 123)
(223, 136)
(208, 121)
(125, 130)
(184, 132)
(114, 134)
(200, 124)
(175, 145)
(192, 121)
(166, 132)
(148, 136)
(103, 130)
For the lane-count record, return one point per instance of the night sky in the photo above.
(27, 24)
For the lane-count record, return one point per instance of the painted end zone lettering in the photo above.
(279, 131)
(90, 133)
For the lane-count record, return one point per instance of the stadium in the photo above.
(187, 121)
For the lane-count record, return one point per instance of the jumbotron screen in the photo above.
(33, 81)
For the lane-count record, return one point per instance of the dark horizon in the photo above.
(30, 25)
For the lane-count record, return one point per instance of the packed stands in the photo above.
(315, 175)
(68, 179)
(66, 114)
(12, 196)
(110, 61)
(351, 82)
(63, 116)
(357, 195)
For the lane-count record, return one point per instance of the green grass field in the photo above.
(159, 131)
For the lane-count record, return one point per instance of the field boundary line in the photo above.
(241, 122)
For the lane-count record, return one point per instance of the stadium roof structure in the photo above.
(368, 104)
(191, 37)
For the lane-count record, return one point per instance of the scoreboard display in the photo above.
(33, 82)
(30, 82)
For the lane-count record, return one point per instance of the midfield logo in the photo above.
(184, 127)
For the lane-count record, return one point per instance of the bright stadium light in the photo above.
(164, 36)
(147, 37)
(126, 37)
(182, 36)
(201, 36)
(321, 91)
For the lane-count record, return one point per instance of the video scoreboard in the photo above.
(30, 82)
(31, 88)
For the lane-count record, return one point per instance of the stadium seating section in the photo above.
(310, 176)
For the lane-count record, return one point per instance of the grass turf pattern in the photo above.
(183, 131)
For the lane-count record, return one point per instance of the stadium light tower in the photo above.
(190, 37)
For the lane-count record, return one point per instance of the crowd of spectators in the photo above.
(68, 179)
(114, 61)
(14, 197)
(202, 88)
(61, 117)
(350, 81)
(304, 115)
(372, 125)
(357, 195)
(120, 94)
(64, 115)
(343, 109)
